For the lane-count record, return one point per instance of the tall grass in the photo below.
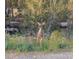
(21, 43)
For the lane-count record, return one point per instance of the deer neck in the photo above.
(40, 30)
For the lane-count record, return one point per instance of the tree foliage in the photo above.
(49, 11)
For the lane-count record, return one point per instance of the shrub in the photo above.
(57, 41)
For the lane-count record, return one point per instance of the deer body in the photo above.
(40, 33)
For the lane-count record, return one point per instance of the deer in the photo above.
(40, 32)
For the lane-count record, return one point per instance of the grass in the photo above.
(21, 43)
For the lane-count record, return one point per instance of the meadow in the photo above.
(21, 43)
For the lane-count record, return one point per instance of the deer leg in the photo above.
(37, 40)
(40, 41)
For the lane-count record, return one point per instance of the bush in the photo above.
(57, 41)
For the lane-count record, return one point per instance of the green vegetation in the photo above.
(28, 13)
(21, 43)
(48, 10)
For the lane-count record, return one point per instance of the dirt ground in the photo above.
(63, 55)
